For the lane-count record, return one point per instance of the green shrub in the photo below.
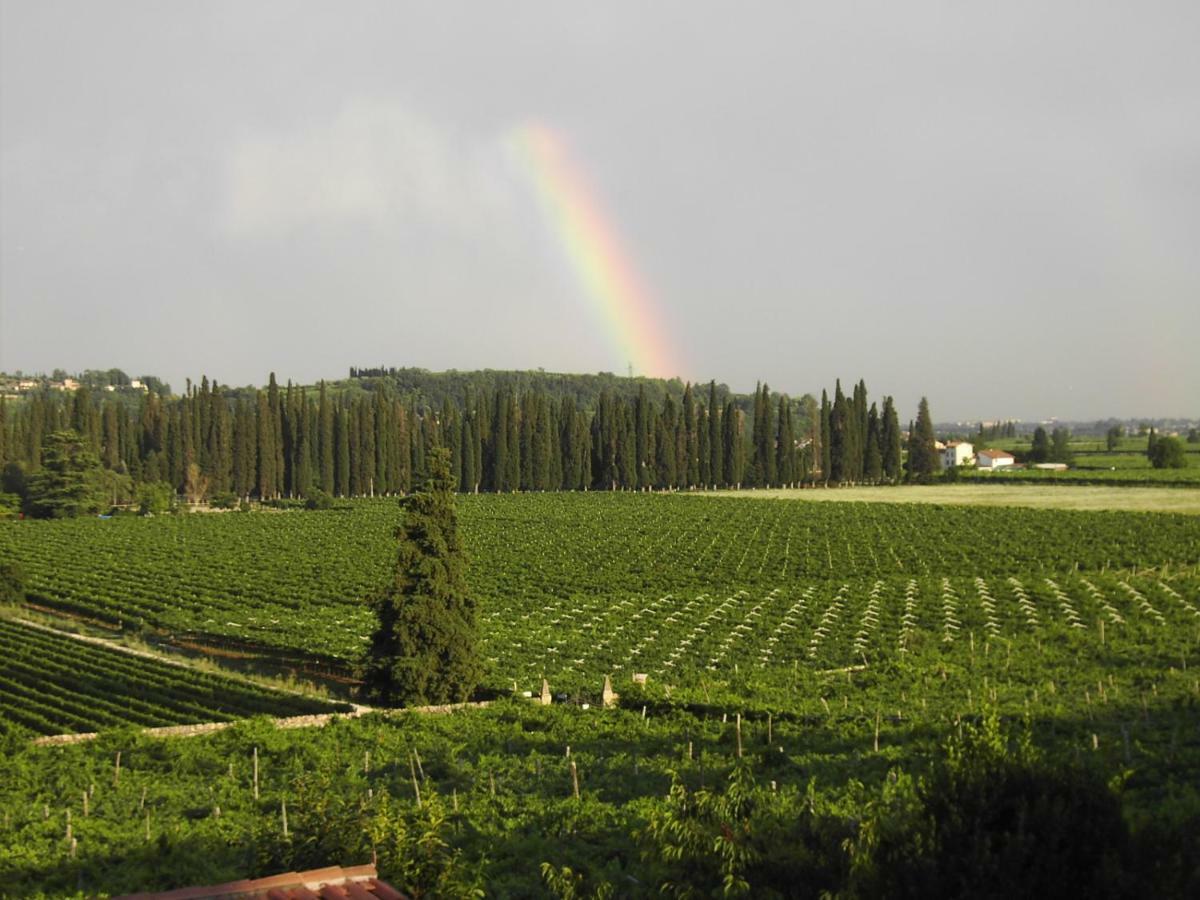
(318, 500)
(12, 584)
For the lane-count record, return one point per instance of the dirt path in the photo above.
(316, 721)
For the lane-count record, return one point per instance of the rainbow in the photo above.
(591, 245)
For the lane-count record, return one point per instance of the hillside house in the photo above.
(958, 453)
(994, 459)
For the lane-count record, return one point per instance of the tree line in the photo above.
(295, 442)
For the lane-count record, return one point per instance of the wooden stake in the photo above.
(575, 779)
(878, 716)
(770, 735)
(147, 824)
(85, 804)
(739, 735)
(283, 815)
(255, 773)
(416, 787)
(420, 768)
(117, 770)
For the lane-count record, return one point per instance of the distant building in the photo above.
(1051, 467)
(994, 459)
(958, 453)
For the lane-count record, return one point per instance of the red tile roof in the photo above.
(331, 883)
(997, 454)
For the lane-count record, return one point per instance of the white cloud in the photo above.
(375, 163)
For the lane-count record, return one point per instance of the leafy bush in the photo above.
(223, 500)
(155, 498)
(319, 500)
(12, 584)
(994, 820)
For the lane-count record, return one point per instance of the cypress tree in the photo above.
(716, 446)
(425, 646)
(645, 467)
(732, 451)
(512, 474)
(326, 451)
(499, 480)
(266, 447)
(890, 442)
(923, 459)
(786, 466)
(691, 450)
(341, 429)
(826, 437)
(873, 462)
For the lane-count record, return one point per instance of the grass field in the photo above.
(1057, 496)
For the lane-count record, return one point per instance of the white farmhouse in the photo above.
(994, 459)
(957, 453)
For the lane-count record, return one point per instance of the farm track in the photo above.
(314, 721)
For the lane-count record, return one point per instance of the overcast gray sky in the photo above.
(996, 205)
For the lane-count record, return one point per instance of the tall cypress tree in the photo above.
(327, 450)
(826, 437)
(891, 440)
(923, 459)
(732, 451)
(715, 443)
(425, 647)
(341, 456)
(873, 460)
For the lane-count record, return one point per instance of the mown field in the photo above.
(860, 646)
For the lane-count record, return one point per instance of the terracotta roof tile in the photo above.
(330, 883)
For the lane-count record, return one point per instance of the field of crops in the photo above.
(850, 641)
(578, 586)
(53, 684)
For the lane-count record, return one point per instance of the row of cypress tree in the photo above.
(294, 441)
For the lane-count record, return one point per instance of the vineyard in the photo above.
(804, 663)
(54, 684)
(583, 585)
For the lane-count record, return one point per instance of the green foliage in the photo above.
(1168, 453)
(744, 841)
(155, 498)
(12, 584)
(1039, 450)
(414, 847)
(923, 459)
(70, 481)
(10, 505)
(223, 500)
(424, 648)
(567, 884)
(1112, 437)
(993, 820)
(319, 499)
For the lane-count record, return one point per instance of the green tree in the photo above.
(1060, 450)
(69, 482)
(1039, 451)
(1168, 453)
(1112, 437)
(425, 646)
(923, 458)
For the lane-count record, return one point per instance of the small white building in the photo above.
(994, 459)
(958, 453)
